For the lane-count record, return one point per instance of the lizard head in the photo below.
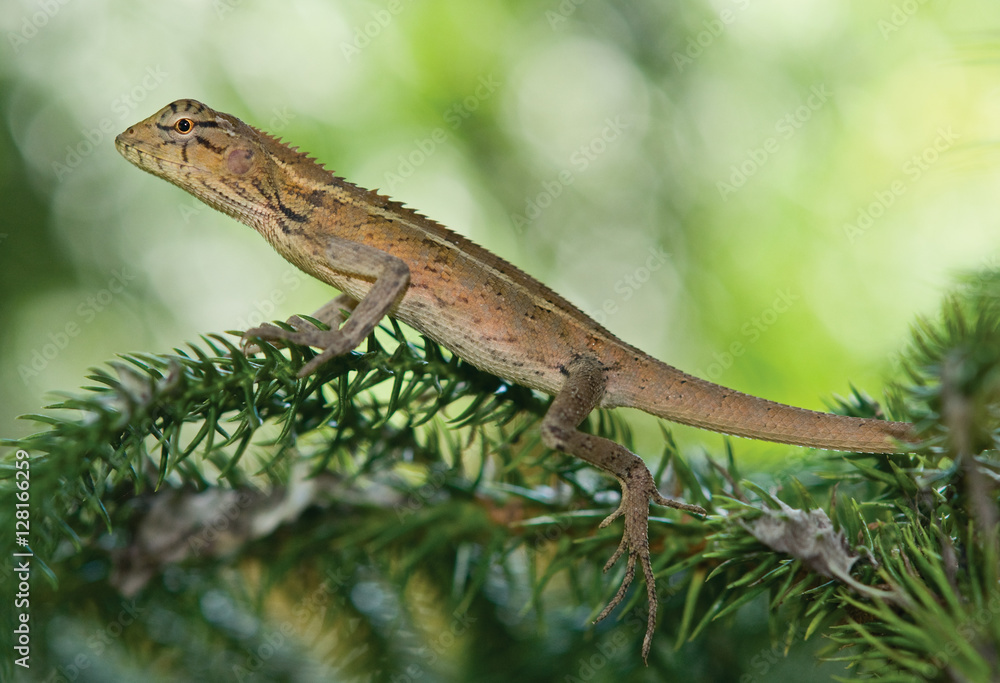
(214, 156)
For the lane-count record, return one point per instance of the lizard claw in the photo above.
(271, 333)
(637, 492)
(332, 341)
(332, 314)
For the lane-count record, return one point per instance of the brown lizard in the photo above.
(386, 259)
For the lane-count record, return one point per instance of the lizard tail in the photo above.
(667, 392)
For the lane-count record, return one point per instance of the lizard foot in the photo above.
(332, 314)
(333, 342)
(271, 333)
(638, 489)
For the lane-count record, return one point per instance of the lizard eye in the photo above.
(184, 126)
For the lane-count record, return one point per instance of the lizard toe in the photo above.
(638, 490)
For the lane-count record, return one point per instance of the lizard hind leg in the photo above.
(584, 388)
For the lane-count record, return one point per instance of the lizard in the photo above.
(388, 260)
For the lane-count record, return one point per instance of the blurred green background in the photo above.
(761, 192)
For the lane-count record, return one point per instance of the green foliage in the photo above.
(924, 600)
(349, 528)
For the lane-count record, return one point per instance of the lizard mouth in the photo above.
(140, 155)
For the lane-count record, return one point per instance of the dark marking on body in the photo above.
(290, 214)
(205, 143)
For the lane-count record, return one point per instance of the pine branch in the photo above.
(917, 532)
(201, 456)
(205, 460)
(192, 418)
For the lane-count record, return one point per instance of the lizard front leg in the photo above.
(582, 392)
(330, 314)
(391, 277)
